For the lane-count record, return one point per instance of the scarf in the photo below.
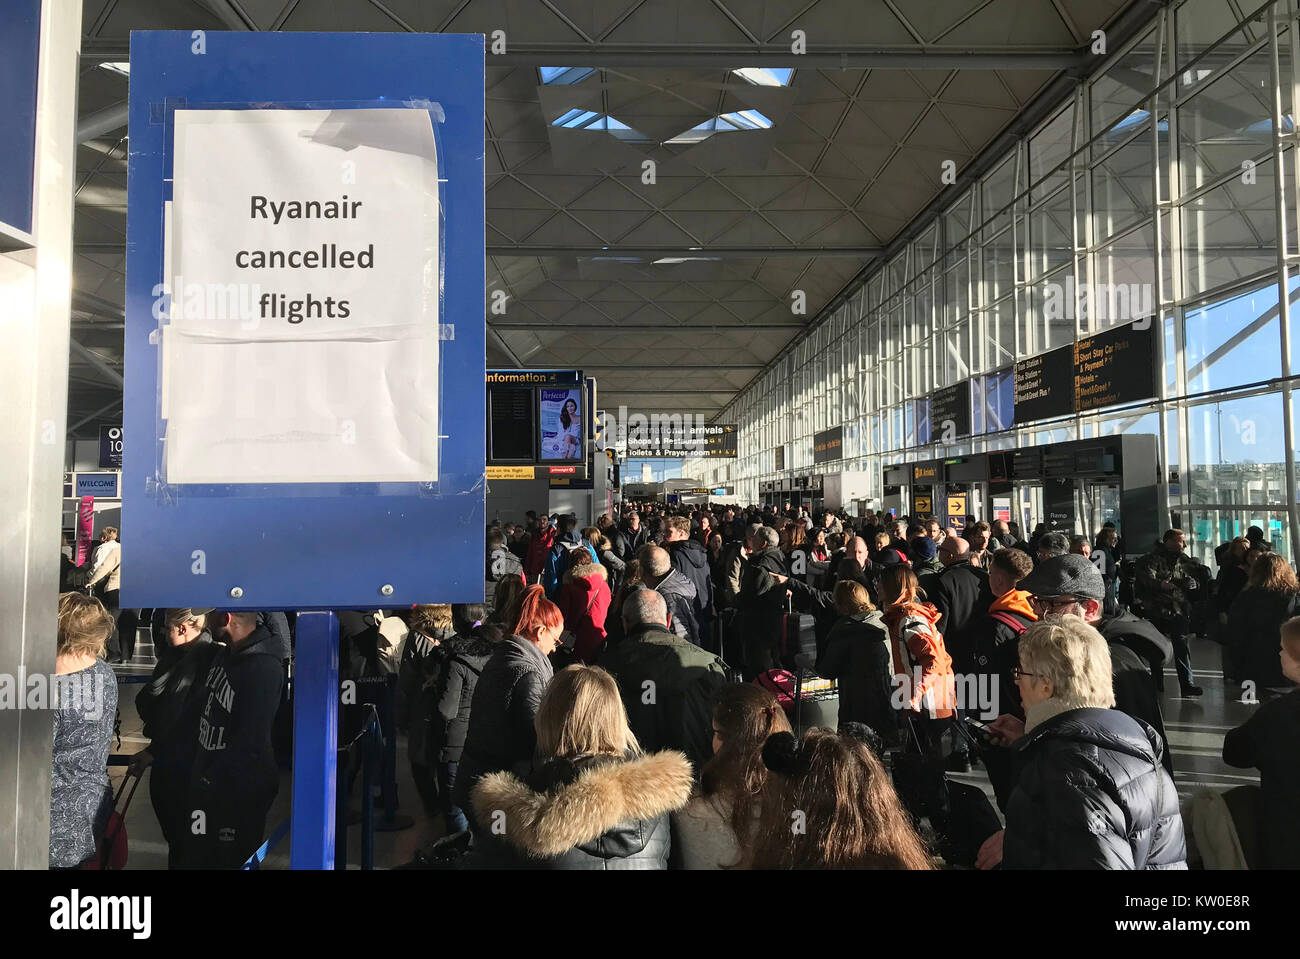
(1040, 713)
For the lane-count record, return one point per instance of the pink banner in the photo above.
(85, 528)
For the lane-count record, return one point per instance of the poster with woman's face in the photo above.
(561, 420)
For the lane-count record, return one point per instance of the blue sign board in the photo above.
(99, 485)
(20, 40)
(233, 531)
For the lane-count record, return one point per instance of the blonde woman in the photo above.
(1091, 792)
(85, 690)
(593, 800)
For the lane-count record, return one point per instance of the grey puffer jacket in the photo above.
(679, 595)
(584, 812)
(1092, 794)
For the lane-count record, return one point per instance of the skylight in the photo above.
(561, 75)
(739, 120)
(121, 69)
(765, 76)
(578, 119)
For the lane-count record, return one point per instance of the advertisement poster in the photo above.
(561, 420)
(85, 529)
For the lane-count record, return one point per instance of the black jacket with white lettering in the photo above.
(240, 697)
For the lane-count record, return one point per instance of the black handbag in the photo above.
(960, 814)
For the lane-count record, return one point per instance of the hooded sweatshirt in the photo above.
(241, 694)
(995, 646)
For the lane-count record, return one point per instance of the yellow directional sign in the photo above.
(510, 473)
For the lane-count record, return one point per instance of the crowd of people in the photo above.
(627, 697)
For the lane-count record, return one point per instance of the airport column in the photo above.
(39, 44)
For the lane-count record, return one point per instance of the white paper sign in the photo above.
(302, 341)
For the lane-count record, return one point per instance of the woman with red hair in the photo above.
(501, 735)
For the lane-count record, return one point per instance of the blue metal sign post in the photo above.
(315, 742)
(320, 541)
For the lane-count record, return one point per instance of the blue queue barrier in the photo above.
(363, 753)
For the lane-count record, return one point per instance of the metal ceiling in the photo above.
(837, 165)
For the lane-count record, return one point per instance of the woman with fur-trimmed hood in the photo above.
(593, 799)
(584, 601)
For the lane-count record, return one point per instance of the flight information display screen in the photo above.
(511, 438)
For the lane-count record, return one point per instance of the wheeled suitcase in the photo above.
(111, 847)
(798, 636)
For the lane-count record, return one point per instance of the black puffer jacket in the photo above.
(857, 655)
(464, 663)
(1091, 794)
(584, 812)
(501, 734)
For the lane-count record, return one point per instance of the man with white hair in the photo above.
(678, 591)
(668, 685)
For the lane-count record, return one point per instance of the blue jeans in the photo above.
(453, 815)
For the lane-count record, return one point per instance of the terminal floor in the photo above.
(1195, 728)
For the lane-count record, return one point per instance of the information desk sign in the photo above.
(304, 320)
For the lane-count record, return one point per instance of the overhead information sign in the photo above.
(1109, 369)
(1044, 386)
(669, 437)
(512, 424)
(539, 417)
(1115, 367)
(828, 445)
(950, 412)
